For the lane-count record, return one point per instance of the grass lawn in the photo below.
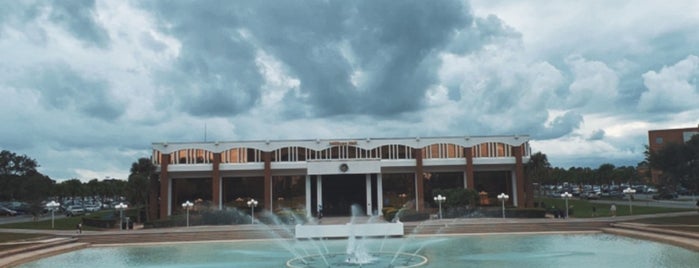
(583, 208)
(67, 223)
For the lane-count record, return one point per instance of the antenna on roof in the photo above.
(204, 131)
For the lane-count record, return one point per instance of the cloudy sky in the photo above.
(87, 86)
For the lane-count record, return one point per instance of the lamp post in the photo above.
(121, 207)
(187, 206)
(630, 192)
(52, 207)
(565, 196)
(503, 197)
(252, 203)
(439, 199)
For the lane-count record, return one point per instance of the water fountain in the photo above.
(357, 252)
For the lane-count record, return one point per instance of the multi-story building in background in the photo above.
(657, 139)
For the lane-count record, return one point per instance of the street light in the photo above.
(121, 207)
(187, 206)
(503, 197)
(565, 196)
(252, 203)
(52, 207)
(439, 198)
(630, 192)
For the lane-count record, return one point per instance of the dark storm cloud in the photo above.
(597, 135)
(560, 126)
(215, 74)
(78, 18)
(484, 31)
(75, 16)
(20, 15)
(394, 44)
(63, 88)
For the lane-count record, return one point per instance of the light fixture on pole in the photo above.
(121, 207)
(187, 206)
(52, 207)
(252, 203)
(565, 196)
(439, 199)
(630, 192)
(503, 197)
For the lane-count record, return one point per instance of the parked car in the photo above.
(616, 194)
(74, 211)
(92, 208)
(591, 195)
(7, 212)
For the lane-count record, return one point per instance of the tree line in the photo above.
(540, 171)
(677, 163)
(20, 181)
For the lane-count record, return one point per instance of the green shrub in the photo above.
(287, 216)
(458, 197)
(405, 214)
(525, 212)
(389, 213)
(102, 219)
(172, 221)
(221, 217)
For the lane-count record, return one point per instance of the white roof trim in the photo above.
(321, 144)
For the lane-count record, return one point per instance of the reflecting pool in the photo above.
(497, 250)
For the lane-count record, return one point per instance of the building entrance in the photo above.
(340, 192)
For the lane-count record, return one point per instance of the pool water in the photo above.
(499, 250)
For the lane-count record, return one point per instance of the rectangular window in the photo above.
(659, 140)
(687, 135)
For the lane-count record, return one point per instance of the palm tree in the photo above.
(537, 170)
(139, 183)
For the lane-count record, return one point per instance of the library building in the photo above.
(334, 174)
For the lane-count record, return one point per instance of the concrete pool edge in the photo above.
(681, 239)
(29, 256)
(206, 234)
(33, 255)
(690, 244)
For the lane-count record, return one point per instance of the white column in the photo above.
(368, 195)
(417, 200)
(379, 193)
(308, 196)
(514, 187)
(220, 193)
(465, 181)
(271, 194)
(169, 197)
(319, 191)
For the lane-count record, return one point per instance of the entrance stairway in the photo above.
(199, 233)
(32, 250)
(466, 227)
(260, 231)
